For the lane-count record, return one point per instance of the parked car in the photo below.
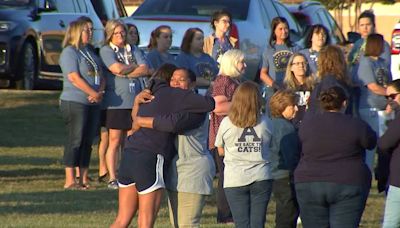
(309, 13)
(31, 34)
(251, 22)
(395, 46)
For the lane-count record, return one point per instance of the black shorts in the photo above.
(120, 119)
(103, 114)
(143, 169)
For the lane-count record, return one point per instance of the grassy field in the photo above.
(31, 173)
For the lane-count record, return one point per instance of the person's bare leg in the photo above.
(103, 145)
(127, 206)
(69, 177)
(114, 138)
(149, 204)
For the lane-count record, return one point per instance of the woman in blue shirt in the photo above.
(160, 42)
(83, 89)
(125, 64)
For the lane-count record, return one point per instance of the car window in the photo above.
(269, 10)
(81, 6)
(65, 6)
(238, 8)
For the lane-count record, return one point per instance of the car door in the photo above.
(54, 18)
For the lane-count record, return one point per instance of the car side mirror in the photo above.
(46, 6)
(352, 37)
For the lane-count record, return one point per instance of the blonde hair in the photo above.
(246, 105)
(331, 61)
(73, 35)
(229, 62)
(290, 80)
(110, 27)
(280, 100)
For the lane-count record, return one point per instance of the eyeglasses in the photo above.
(299, 63)
(89, 30)
(392, 96)
(122, 33)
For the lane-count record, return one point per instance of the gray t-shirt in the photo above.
(246, 152)
(372, 71)
(155, 59)
(72, 60)
(275, 59)
(120, 91)
(312, 59)
(203, 66)
(192, 170)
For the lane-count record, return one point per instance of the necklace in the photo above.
(92, 65)
(126, 57)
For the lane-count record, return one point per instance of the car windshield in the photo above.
(238, 8)
(14, 2)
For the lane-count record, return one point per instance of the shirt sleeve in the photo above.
(108, 56)
(265, 63)
(391, 139)
(69, 60)
(196, 103)
(178, 122)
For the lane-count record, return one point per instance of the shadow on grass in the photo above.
(32, 172)
(59, 202)
(31, 125)
(27, 160)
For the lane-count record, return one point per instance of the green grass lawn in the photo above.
(32, 174)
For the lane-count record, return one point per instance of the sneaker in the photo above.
(113, 184)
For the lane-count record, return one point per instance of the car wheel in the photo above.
(27, 73)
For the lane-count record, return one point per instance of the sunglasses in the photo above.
(392, 96)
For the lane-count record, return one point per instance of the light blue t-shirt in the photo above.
(192, 170)
(371, 71)
(155, 59)
(357, 53)
(203, 66)
(312, 59)
(120, 91)
(275, 59)
(246, 152)
(73, 60)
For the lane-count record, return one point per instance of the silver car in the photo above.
(251, 20)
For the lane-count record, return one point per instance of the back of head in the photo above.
(246, 105)
(229, 62)
(332, 98)
(279, 101)
(164, 72)
(331, 61)
(395, 84)
(374, 45)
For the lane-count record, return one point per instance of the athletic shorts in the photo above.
(143, 169)
(119, 119)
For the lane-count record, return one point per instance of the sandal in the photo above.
(71, 187)
(102, 178)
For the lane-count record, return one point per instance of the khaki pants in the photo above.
(185, 209)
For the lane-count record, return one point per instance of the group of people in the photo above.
(301, 135)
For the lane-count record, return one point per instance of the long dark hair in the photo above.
(155, 34)
(188, 38)
(318, 28)
(275, 22)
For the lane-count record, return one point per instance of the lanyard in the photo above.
(90, 60)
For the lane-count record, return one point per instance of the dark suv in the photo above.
(309, 13)
(31, 34)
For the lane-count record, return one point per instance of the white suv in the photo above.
(395, 44)
(251, 22)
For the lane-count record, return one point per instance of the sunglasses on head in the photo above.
(392, 96)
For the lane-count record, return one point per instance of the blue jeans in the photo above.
(392, 208)
(82, 124)
(249, 203)
(371, 117)
(330, 205)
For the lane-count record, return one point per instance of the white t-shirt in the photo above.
(246, 152)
